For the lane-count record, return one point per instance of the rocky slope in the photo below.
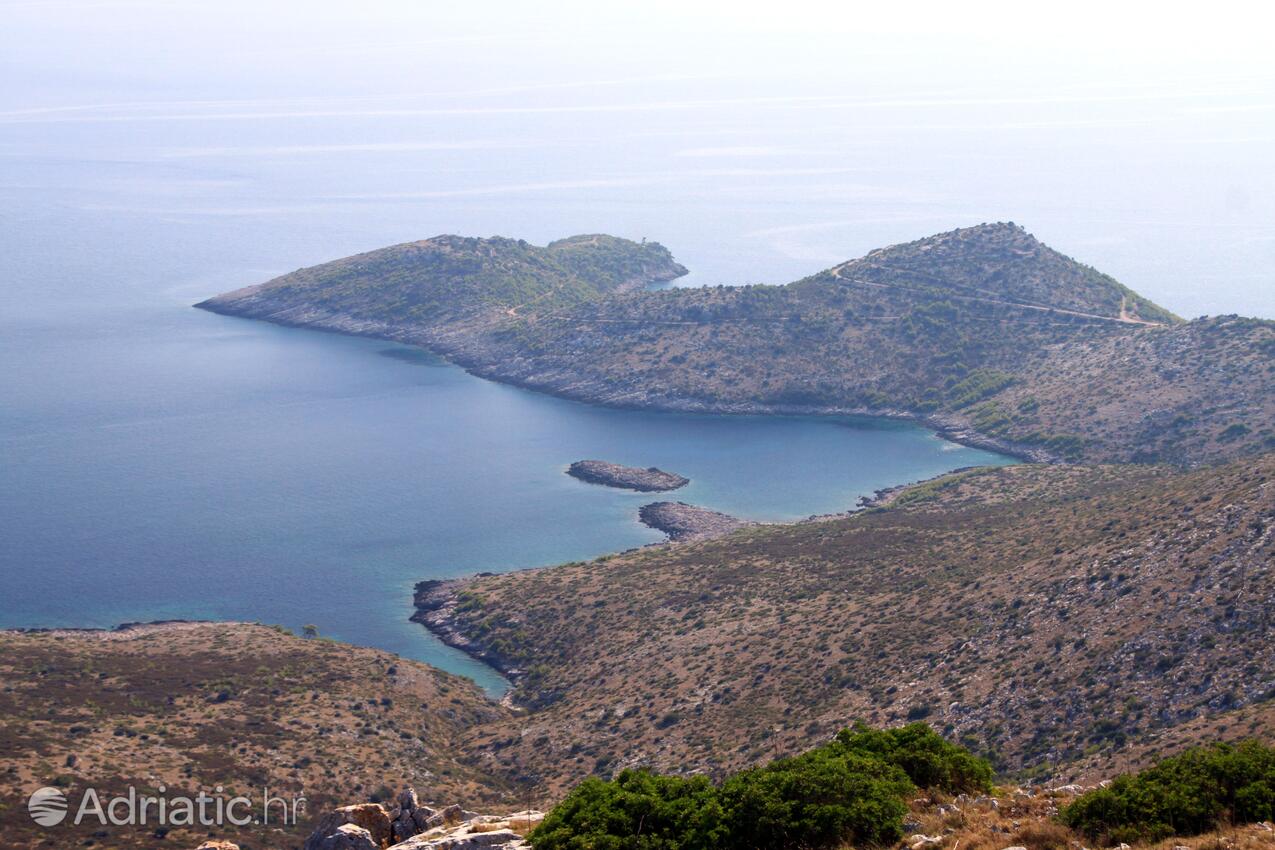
(984, 333)
(1042, 615)
(450, 292)
(193, 706)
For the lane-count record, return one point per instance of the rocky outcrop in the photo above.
(683, 522)
(347, 836)
(217, 845)
(409, 825)
(368, 818)
(649, 480)
(436, 601)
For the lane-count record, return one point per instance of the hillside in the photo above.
(1043, 615)
(452, 279)
(983, 333)
(193, 706)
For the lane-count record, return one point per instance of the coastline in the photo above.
(452, 349)
(436, 600)
(123, 630)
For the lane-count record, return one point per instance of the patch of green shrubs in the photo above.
(851, 789)
(1186, 794)
(929, 760)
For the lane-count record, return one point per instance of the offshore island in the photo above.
(649, 480)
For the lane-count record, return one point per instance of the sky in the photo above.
(1134, 136)
(87, 52)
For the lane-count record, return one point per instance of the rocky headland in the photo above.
(683, 522)
(984, 334)
(442, 606)
(649, 480)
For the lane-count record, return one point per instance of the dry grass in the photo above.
(242, 706)
(1014, 818)
(1045, 616)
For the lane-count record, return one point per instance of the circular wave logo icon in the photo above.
(47, 806)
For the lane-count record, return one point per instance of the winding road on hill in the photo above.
(1123, 318)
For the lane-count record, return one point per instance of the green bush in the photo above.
(635, 811)
(851, 789)
(1186, 794)
(823, 798)
(927, 759)
(978, 385)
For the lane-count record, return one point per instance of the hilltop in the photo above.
(415, 286)
(983, 333)
(1054, 618)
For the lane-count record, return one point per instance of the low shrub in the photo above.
(637, 810)
(823, 798)
(927, 759)
(1185, 794)
(850, 790)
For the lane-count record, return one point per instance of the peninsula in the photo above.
(683, 522)
(984, 334)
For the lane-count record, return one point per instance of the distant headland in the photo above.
(984, 334)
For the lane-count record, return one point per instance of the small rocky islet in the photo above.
(648, 480)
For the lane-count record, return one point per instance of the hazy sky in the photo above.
(86, 52)
(1137, 137)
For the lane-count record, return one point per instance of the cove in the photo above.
(296, 477)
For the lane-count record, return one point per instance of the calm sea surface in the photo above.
(160, 461)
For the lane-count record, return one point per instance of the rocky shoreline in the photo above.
(436, 602)
(683, 522)
(649, 480)
(474, 355)
(123, 630)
